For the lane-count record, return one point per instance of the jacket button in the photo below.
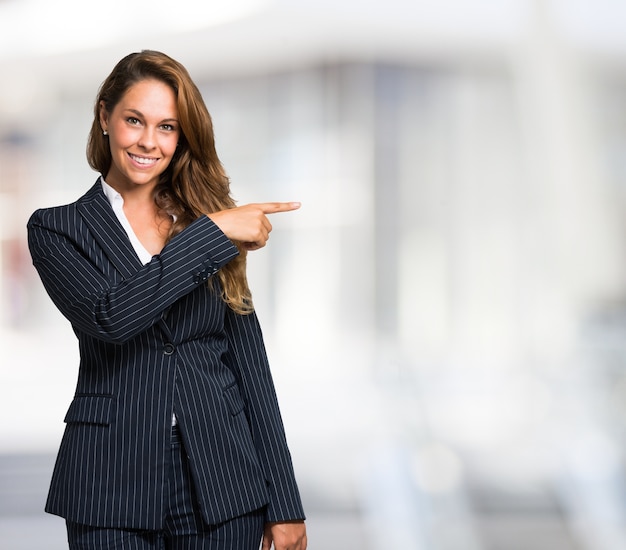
(168, 349)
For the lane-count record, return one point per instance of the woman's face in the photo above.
(143, 133)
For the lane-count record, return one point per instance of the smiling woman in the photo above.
(169, 362)
(143, 135)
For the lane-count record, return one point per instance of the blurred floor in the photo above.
(24, 525)
(501, 523)
(23, 485)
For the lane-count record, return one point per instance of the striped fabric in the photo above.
(155, 340)
(241, 533)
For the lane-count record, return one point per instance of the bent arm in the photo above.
(117, 311)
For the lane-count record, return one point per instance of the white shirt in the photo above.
(117, 203)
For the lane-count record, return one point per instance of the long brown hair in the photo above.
(195, 183)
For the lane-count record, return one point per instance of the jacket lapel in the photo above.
(106, 229)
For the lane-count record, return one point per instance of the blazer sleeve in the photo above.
(116, 312)
(248, 359)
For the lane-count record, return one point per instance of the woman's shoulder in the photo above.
(60, 214)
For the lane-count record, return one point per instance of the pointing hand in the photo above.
(249, 224)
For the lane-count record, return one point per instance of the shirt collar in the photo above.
(110, 193)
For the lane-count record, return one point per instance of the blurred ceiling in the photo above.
(68, 46)
(223, 36)
(53, 37)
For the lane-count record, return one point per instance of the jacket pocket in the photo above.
(233, 399)
(90, 409)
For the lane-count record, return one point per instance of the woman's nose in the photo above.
(147, 138)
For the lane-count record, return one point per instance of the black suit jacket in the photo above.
(155, 340)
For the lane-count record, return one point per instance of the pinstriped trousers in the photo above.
(184, 527)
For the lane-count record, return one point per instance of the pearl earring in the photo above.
(105, 133)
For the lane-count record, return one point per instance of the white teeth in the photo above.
(143, 160)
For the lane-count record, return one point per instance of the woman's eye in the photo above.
(168, 127)
(133, 120)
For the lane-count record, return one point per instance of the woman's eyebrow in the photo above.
(141, 115)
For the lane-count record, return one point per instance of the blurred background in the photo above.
(445, 315)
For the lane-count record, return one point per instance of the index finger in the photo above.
(274, 207)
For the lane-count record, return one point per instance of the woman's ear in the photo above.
(104, 116)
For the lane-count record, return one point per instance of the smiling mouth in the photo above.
(144, 161)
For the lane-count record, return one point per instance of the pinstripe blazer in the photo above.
(155, 340)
